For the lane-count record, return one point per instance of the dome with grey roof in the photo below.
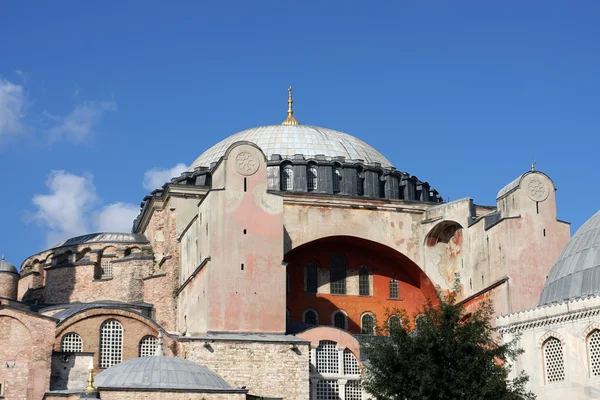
(161, 373)
(289, 140)
(104, 237)
(576, 272)
(7, 267)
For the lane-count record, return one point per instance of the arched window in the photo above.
(340, 320)
(111, 343)
(367, 324)
(327, 358)
(360, 182)
(364, 288)
(311, 278)
(287, 178)
(337, 179)
(337, 274)
(312, 178)
(311, 317)
(594, 352)
(394, 292)
(394, 322)
(71, 343)
(554, 363)
(147, 346)
(350, 363)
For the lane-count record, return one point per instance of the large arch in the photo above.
(384, 264)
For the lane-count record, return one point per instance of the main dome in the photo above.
(576, 273)
(289, 140)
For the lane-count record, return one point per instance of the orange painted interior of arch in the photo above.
(384, 264)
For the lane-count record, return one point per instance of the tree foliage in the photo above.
(445, 355)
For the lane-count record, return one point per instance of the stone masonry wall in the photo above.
(25, 354)
(266, 369)
(8, 285)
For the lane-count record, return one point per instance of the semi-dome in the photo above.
(289, 140)
(576, 272)
(161, 373)
(7, 267)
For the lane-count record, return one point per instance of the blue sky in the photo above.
(100, 101)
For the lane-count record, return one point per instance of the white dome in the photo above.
(289, 140)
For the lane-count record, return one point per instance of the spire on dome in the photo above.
(533, 165)
(290, 120)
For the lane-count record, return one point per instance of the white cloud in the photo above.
(12, 102)
(116, 217)
(156, 177)
(70, 209)
(80, 123)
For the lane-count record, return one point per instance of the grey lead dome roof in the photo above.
(7, 267)
(160, 372)
(289, 140)
(576, 273)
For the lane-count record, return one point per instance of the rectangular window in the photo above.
(311, 278)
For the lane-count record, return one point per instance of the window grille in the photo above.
(337, 275)
(594, 352)
(71, 343)
(327, 358)
(353, 390)
(327, 390)
(337, 179)
(111, 343)
(312, 179)
(148, 346)
(311, 278)
(394, 292)
(350, 363)
(553, 360)
(310, 317)
(394, 322)
(106, 269)
(339, 320)
(287, 178)
(310, 366)
(367, 324)
(363, 282)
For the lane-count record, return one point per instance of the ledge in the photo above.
(154, 276)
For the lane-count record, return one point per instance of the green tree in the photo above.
(446, 355)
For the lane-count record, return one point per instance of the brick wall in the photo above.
(25, 353)
(266, 369)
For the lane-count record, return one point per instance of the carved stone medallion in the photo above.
(537, 190)
(246, 163)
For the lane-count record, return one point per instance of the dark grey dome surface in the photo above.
(576, 273)
(160, 372)
(104, 237)
(7, 267)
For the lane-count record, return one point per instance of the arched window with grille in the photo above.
(394, 291)
(337, 274)
(593, 341)
(106, 269)
(394, 322)
(111, 343)
(310, 317)
(367, 324)
(327, 358)
(312, 178)
(360, 182)
(336, 373)
(554, 363)
(340, 320)
(364, 288)
(287, 178)
(337, 180)
(147, 346)
(350, 363)
(311, 278)
(71, 343)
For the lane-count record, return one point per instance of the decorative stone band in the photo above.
(553, 314)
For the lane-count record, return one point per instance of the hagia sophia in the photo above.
(255, 273)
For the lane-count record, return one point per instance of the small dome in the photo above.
(576, 273)
(289, 140)
(160, 372)
(7, 267)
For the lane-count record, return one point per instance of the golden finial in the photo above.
(290, 120)
(90, 387)
(533, 165)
